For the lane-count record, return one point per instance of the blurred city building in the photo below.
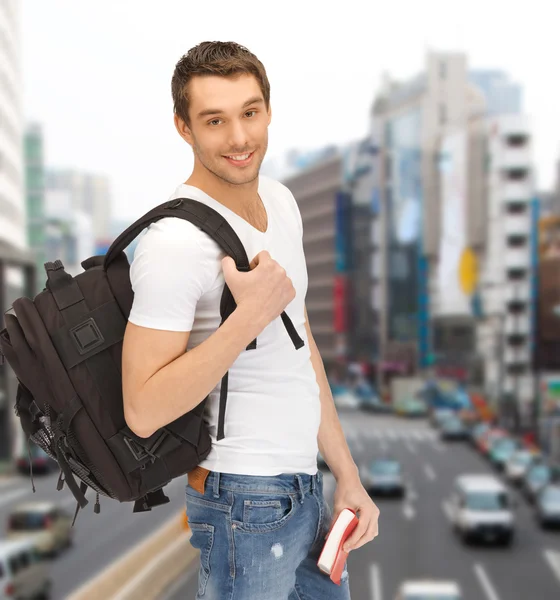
(69, 234)
(35, 191)
(88, 193)
(317, 186)
(547, 342)
(508, 263)
(17, 263)
(457, 190)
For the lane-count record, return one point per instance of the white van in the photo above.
(480, 507)
(23, 574)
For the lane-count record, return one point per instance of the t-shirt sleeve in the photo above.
(169, 273)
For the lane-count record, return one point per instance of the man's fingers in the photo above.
(366, 530)
(369, 535)
(361, 528)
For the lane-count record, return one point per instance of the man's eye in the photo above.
(213, 121)
(251, 111)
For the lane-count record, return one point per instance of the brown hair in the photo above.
(225, 59)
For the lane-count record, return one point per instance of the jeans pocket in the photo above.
(202, 538)
(265, 513)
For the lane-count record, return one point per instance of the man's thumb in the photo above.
(228, 266)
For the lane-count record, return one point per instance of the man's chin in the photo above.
(239, 178)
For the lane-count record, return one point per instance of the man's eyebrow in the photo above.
(218, 111)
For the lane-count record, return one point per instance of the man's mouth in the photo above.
(240, 160)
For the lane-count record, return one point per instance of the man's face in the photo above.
(229, 121)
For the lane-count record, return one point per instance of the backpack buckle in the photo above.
(141, 452)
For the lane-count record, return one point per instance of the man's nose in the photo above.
(238, 137)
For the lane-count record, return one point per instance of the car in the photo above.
(439, 415)
(344, 397)
(501, 451)
(452, 428)
(487, 439)
(411, 407)
(429, 590)
(547, 506)
(45, 523)
(518, 463)
(369, 399)
(383, 476)
(539, 474)
(23, 574)
(41, 462)
(480, 508)
(477, 431)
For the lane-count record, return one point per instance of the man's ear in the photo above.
(269, 113)
(183, 129)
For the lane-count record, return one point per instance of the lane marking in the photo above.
(552, 557)
(430, 473)
(436, 445)
(485, 582)
(375, 580)
(409, 511)
(447, 509)
(8, 497)
(392, 434)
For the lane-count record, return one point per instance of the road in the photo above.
(415, 538)
(100, 538)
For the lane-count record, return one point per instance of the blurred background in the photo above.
(421, 142)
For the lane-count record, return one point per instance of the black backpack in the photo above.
(65, 348)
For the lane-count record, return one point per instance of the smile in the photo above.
(240, 160)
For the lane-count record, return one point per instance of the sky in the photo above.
(97, 74)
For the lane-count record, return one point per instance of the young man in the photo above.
(255, 505)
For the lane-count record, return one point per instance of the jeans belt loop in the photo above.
(300, 486)
(216, 486)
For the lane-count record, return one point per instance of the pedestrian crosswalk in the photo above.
(392, 435)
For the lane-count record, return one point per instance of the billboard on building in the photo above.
(452, 300)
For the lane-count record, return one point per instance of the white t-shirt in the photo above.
(273, 406)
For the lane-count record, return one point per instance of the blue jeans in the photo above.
(260, 538)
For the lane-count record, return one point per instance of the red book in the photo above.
(333, 557)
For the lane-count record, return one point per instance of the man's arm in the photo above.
(332, 443)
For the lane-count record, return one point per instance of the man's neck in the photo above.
(227, 194)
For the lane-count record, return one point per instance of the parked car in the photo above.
(23, 575)
(369, 399)
(383, 476)
(487, 439)
(547, 506)
(411, 407)
(539, 474)
(41, 462)
(453, 428)
(480, 508)
(344, 397)
(502, 450)
(438, 416)
(477, 431)
(429, 590)
(518, 463)
(45, 523)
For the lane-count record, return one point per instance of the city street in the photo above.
(415, 537)
(99, 539)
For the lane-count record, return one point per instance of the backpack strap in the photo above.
(216, 226)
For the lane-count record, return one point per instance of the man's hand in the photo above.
(351, 494)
